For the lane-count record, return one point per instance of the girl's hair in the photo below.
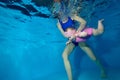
(59, 9)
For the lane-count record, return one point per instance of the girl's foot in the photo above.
(101, 20)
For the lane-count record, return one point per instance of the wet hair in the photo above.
(64, 8)
(59, 9)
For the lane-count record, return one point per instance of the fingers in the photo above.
(67, 43)
(83, 34)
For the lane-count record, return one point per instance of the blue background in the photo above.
(31, 47)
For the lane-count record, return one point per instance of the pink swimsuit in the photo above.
(89, 32)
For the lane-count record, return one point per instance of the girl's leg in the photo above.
(68, 49)
(90, 53)
(100, 28)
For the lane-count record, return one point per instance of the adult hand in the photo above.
(70, 39)
(68, 42)
(83, 34)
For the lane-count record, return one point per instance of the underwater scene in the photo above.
(59, 40)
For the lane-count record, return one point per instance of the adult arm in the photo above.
(60, 28)
(81, 21)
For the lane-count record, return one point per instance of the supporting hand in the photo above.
(70, 39)
(68, 42)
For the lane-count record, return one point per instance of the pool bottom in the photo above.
(84, 75)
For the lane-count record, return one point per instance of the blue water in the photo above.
(31, 45)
